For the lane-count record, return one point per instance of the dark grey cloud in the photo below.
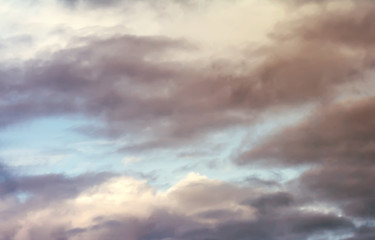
(352, 27)
(346, 186)
(61, 85)
(268, 203)
(295, 74)
(129, 83)
(298, 226)
(136, 87)
(363, 233)
(166, 223)
(57, 187)
(336, 139)
(44, 189)
(7, 180)
(337, 134)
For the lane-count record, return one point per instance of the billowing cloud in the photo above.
(334, 141)
(353, 27)
(347, 187)
(146, 86)
(134, 82)
(124, 207)
(340, 133)
(172, 86)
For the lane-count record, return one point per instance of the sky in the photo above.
(187, 119)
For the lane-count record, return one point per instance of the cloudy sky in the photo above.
(187, 120)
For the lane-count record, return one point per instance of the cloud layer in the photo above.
(156, 90)
(122, 207)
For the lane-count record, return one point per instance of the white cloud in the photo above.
(31, 157)
(126, 197)
(130, 160)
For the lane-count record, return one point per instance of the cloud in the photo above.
(91, 2)
(146, 86)
(121, 207)
(345, 186)
(337, 133)
(337, 141)
(148, 92)
(136, 84)
(286, 227)
(41, 189)
(296, 73)
(117, 206)
(129, 160)
(113, 3)
(268, 203)
(364, 233)
(62, 85)
(7, 183)
(351, 27)
(334, 141)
